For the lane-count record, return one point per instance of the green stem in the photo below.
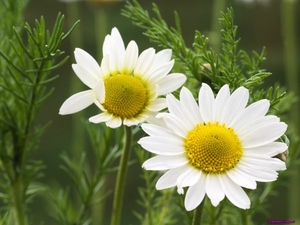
(246, 218)
(18, 201)
(198, 214)
(120, 184)
(20, 152)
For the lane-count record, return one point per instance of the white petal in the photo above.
(163, 56)
(162, 162)
(187, 100)
(175, 124)
(114, 122)
(135, 120)
(234, 193)
(115, 34)
(98, 104)
(114, 45)
(256, 124)
(114, 55)
(170, 177)
(85, 76)
(107, 47)
(170, 83)
(131, 56)
(157, 105)
(152, 119)
(112, 64)
(235, 104)
(263, 135)
(162, 145)
(100, 91)
(195, 194)
(152, 92)
(220, 102)
(259, 173)
(144, 63)
(261, 160)
(158, 131)
(213, 189)
(206, 102)
(188, 178)
(160, 58)
(105, 67)
(87, 62)
(256, 110)
(77, 102)
(270, 149)
(160, 72)
(103, 117)
(175, 107)
(241, 178)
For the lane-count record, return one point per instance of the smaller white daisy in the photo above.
(215, 147)
(127, 86)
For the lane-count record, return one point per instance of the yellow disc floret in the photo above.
(125, 96)
(213, 148)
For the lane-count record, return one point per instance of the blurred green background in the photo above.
(260, 23)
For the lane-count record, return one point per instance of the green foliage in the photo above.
(231, 66)
(159, 33)
(24, 78)
(11, 14)
(88, 174)
(61, 209)
(156, 207)
(87, 184)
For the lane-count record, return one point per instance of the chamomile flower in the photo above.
(127, 86)
(215, 147)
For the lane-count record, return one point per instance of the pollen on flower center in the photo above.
(125, 96)
(213, 148)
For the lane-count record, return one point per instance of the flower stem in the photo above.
(120, 183)
(198, 214)
(18, 202)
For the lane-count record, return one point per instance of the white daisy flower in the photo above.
(127, 86)
(215, 147)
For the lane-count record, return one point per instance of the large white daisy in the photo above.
(215, 147)
(126, 87)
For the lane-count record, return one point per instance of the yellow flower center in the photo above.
(125, 96)
(213, 148)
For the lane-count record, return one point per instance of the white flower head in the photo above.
(127, 86)
(215, 147)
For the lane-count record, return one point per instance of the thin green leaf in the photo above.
(15, 94)
(10, 62)
(20, 41)
(70, 31)
(49, 80)
(55, 39)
